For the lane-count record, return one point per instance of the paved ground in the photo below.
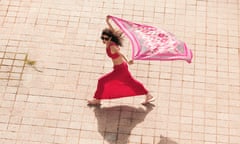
(197, 103)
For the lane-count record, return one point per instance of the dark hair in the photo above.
(116, 37)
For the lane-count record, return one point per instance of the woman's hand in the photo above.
(130, 62)
(107, 18)
(108, 21)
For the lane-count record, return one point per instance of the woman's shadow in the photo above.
(166, 140)
(116, 123)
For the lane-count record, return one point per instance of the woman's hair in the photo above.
(116, 37)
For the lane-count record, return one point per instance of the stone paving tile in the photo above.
(196, 103)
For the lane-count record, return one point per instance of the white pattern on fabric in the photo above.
(151, 43)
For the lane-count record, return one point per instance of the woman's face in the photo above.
(105, 39)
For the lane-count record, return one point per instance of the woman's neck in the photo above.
(107, 44)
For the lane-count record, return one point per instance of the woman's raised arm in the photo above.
(109, 25)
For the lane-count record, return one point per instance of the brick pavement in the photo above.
(197, 103)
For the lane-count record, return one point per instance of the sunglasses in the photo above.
(105, 38)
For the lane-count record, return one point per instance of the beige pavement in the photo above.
(197, 103)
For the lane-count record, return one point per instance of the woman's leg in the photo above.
(100, 88)
(149, 98)
(139, 86)
(94, 102)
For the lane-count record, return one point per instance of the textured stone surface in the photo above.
(196, 103)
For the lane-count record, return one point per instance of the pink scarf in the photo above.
(151, 43)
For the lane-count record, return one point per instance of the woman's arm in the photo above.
(116, 49)
(118, 33)
(126, 59)
(109, 25)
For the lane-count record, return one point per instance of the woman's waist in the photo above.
(119, 64)
(118, 61)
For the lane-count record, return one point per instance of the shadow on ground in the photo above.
(116, 123)
(166, 140)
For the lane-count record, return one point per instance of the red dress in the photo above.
(118, 83)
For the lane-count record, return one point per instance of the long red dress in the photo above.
(118, 83)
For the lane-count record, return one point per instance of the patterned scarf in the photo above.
(151, 43)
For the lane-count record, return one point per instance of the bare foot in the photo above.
(94, 102)
(149, 98)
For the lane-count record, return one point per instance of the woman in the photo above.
(118, 83)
